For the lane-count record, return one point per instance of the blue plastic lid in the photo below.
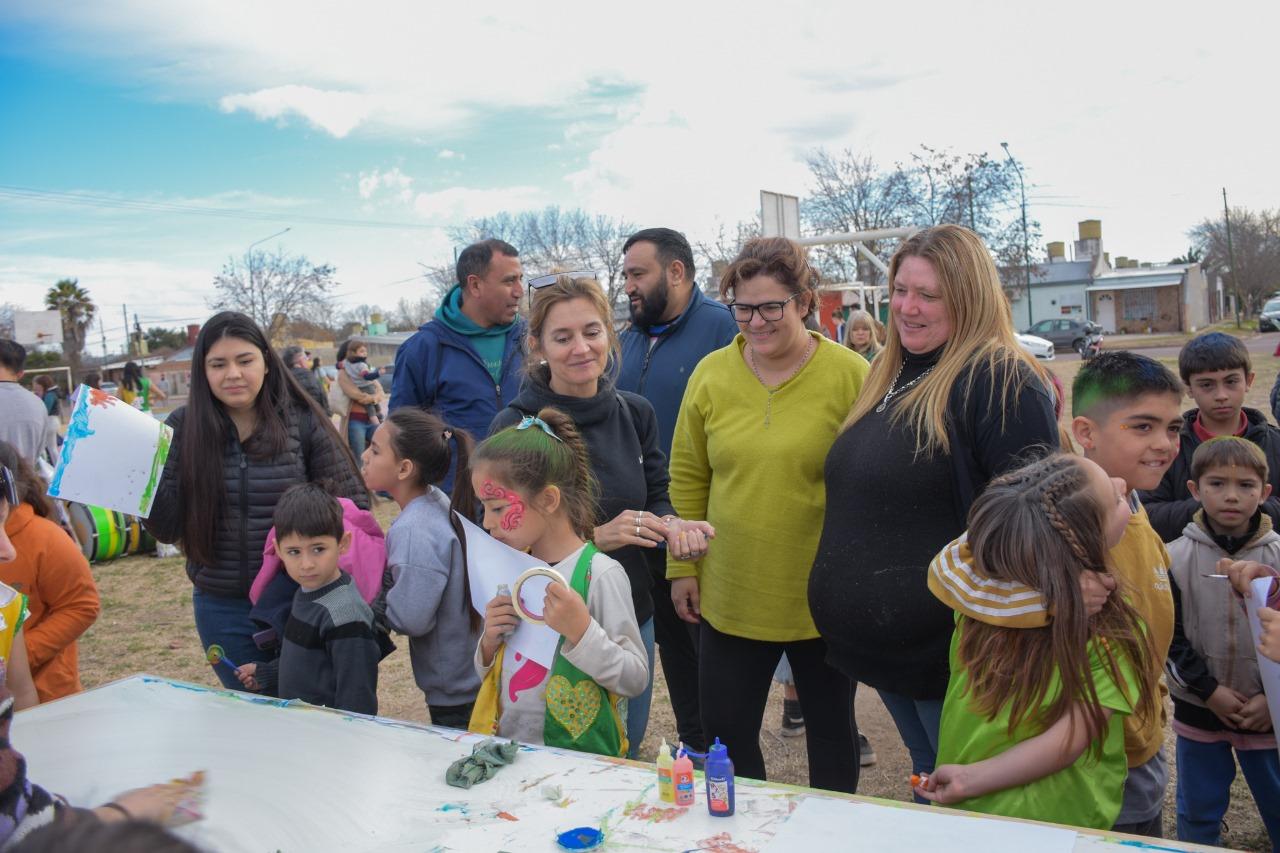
(581, 838)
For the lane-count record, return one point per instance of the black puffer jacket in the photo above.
(252, 487)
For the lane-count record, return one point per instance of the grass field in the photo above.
(146, 626)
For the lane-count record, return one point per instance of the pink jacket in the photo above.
(364, 560)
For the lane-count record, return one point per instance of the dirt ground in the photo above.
(146, 626)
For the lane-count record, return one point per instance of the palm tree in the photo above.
(77, 309)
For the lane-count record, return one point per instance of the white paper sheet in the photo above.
(489, 563)
(1267, 668)
(113, 455)
(818, 821)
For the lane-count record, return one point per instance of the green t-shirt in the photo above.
(1087, 794)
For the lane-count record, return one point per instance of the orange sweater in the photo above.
(62, 597)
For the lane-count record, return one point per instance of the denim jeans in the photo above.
(1205, 774)
(638, 708)
(918, 721)
(358, 435)
(226, 622)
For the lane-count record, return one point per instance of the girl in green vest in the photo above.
(534, 480)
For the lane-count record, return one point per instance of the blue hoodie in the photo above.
(440, 369)
(659, 369)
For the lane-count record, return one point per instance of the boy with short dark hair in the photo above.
(328, 655)
(1218, 373)
(1218, 703)
(1125, 416)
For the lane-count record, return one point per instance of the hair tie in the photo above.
(447, 434)
(534, 420)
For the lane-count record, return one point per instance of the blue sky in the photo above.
(415, 118)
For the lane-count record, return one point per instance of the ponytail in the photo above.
(423, 439)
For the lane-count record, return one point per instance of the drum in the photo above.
(108, 530)
(131, 533)
(82, 524)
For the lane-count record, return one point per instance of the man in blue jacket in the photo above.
(673, 325)
(465, 363)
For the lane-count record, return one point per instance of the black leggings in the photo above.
(734, 676)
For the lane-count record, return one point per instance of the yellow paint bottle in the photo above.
(666, 785)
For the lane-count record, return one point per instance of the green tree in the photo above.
(158, 338)
(77, 309)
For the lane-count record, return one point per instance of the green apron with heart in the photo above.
(581, 714)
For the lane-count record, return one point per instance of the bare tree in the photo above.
(1255, 243)
(852, 193)
(274, 288)
(6, 319)
(558, 239)
(714, 254)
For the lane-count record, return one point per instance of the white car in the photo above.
(1039, 347)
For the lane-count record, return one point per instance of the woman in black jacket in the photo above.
(571, 339)
(247, 433)
(952, 400)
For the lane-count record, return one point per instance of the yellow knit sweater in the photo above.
(760, 486)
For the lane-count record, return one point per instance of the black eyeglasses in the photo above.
(770, 311)
(8, 487)
(550, 279)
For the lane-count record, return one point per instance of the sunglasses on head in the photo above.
(550, 279)
(8, 486)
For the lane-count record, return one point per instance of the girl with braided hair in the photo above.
(1032, 723)
(539, 495)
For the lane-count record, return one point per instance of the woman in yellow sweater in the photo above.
(757, 420)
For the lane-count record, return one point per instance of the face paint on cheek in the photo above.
(514, 516)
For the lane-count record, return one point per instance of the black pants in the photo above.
(451, 716)
(678, 650)
(735, 675)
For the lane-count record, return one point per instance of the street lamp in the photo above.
(1026, 250)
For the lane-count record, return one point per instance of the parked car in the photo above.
(1269, 320)
(111, 388)
(1039, 347)
(1064, 332)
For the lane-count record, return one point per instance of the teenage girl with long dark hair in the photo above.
(247, 433)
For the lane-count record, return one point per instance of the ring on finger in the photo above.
(637, 530)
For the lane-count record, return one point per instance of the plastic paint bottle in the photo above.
(719, 773)
(682, 777)
(666, 785)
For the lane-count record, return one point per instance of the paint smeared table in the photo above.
(292, 777)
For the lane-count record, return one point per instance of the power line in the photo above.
(143, 205)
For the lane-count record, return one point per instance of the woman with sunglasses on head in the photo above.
(571, 342)
(755, 425)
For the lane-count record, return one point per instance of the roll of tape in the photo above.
(537, 572)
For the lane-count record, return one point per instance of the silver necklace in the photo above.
(771, 390)
(893, 391)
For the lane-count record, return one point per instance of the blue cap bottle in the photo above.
(719, 774)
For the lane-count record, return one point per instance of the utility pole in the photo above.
(125, 310)
(1026, 250)
(1231, 256)
(102, 329)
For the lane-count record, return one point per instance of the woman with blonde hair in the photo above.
(860, 334)
(754, 427)
(951, 402)
(570, 346)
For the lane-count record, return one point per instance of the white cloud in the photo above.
(448, 154)
(393, 179)
(1106, 107)
(334, 112)
(461, 203)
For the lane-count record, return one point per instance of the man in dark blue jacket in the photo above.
(673, 325)
(465, 363)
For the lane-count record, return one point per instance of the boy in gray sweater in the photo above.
(329, 655)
